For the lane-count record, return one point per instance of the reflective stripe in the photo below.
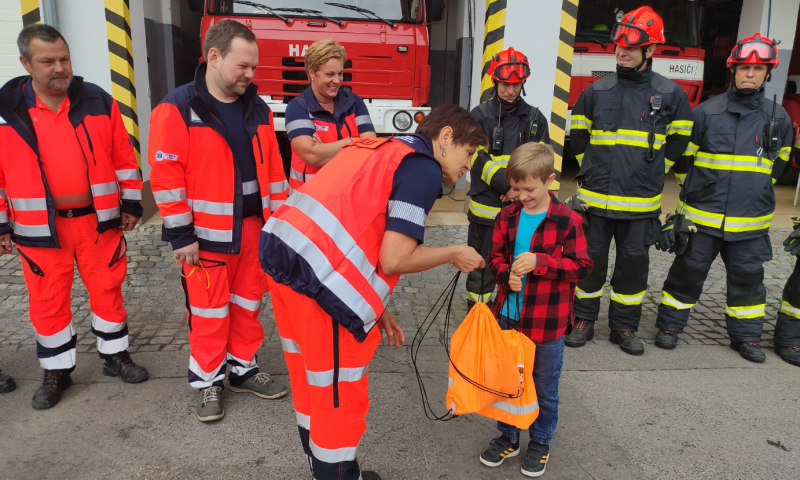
(105, 326)
(295, 175)
(580, 122)
(516, 409)
(680, 177)
(249, 188)
(220, 312)
(212, 208)
(206, 378)
(4, 216)
(104, 189)
(784, 153)
(59, 362)
(406, 211)
(633, 138)
(28, 204)
(478, 298)
(131, 194)
(691, 149)
(579, 157)
(278, 187)
(166, 196)
(668, 164)
(635, 299)
(738, 163)
(615, 202)
(290, 346)
(325, 379)
(746, 312)
(332, 455)
(128, 174)
(194, 116)
(252, 305)
(239, 366)
(275, 204)
(681, 127)
(298, 124)
(107, 214)
(449, 383)
(57, 339)
(363, 120)
(582, 294)
(747, 224)
(668, 299)
(788, 309)
(178, 220)
(213, 235)
(483, 211)
(303, 420)
(110, 347)
(30, 230)
(700, 217)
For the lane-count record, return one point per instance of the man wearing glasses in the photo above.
(627, 130)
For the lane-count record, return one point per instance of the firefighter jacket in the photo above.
(626, 132)
(318, 246)
(728, 190)
(488, 176)
(195, 181)
(27, 209)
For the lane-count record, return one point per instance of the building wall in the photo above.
(88, 46)
(10, 25)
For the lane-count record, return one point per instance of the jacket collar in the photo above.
(522, 108)
(13, 92)
(341, 103)
(638, 78)
(201, 91)
(738, 103)
(552, 210)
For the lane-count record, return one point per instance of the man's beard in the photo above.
(234, 87)
(58, 83)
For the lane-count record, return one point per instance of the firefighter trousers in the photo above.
(745, 303)
(49, 273)
(328, 370)
(480, 283)
(223, 300)
(787, 329)
(633, 239)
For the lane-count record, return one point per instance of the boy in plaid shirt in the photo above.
(538, 255)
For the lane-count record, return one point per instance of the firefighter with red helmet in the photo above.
(739, 146)
(627, 130)
(508, 122)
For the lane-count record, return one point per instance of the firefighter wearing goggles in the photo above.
(508, 122)
(740, 144)
(627, 130)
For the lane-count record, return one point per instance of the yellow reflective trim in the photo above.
(681, 127)
(668, 299)
(668, 164)
(579, 157)
(582, 294)
(635, 299)
(580, 122)
(739, 163)
(601, 137)
(701, 217)
(479, 298)
(691, 149)
(788, 309)
(784, 153)
(774, 180)
(746, 312)
(619, 203)
(747, 224)
(680, 177)
(483, 211)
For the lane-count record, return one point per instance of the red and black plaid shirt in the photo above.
(561, 261)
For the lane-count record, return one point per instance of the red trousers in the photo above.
(223, 295)
(48, 274)
(328, 370)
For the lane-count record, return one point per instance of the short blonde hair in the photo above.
(531, 160)
(320, 52)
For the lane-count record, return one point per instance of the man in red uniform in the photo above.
(69, 187)
(217, 175)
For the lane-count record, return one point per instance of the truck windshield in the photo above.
(402, 11)
(595, 20)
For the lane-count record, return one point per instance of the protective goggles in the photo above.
(764, 51)
(633, 35)
(507, 70)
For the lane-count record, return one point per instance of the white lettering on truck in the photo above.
(294, 50)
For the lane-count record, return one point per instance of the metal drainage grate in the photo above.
(600, 74)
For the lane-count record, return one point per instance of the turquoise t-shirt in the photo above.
(527, 226)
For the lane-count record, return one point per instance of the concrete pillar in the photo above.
(777, 19)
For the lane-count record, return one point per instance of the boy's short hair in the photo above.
(531, 160)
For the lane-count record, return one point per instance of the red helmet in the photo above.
(756, 49)
(508, 64)
(639, 28)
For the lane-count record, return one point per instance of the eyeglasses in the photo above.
(633, 35)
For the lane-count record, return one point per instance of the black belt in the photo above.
(75, 212)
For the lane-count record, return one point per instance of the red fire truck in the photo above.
(386, 43)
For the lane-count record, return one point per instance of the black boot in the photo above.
(666, 339)
(7, 384)
(49, 394)
(121, 364)
(788, 354)
(749, 351)
(627, 342)
(582, 332)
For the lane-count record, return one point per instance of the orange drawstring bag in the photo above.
(481, 359)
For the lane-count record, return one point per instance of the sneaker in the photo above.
(749, 351)
(666, 339)
(499, 449)
(121, 364)
(49, 394)
(536, 461)
(582, 332)
(261, 385)
(209, 404)
(788, 354)
(7, 384)
(627, 342)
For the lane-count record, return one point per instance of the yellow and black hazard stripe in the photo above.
(120, 54)
(558, 116)
(493, 33)
(30, 12)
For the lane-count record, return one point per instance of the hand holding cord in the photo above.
(792, 242)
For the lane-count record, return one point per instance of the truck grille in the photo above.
(600, 74)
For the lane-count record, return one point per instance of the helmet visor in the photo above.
(512, 72)
(633, 35)
(764, 51)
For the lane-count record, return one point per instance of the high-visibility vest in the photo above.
(325, 240)
(25, 200)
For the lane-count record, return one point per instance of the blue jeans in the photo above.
(546, 374)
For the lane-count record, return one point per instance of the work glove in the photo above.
(675, 234)
(580, 207)
(792, 242)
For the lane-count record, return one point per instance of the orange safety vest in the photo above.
(325, 240)
(25, 200)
